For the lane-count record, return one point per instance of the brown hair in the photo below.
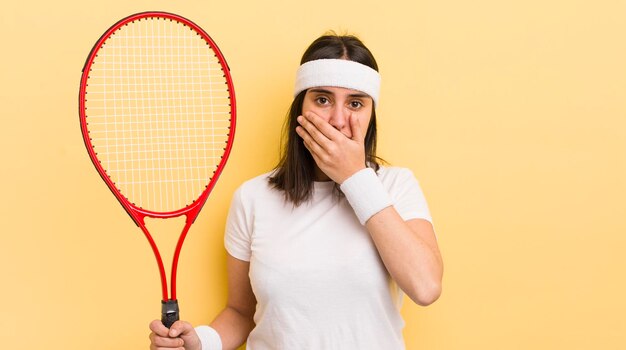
(295, 172)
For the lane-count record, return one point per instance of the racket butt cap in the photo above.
(169, 312)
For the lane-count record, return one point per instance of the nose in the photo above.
(339, 117)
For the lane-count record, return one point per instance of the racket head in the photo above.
(158, 113)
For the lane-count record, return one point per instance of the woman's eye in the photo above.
(322, 100)
(356, 104)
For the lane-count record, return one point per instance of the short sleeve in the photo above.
(407, 196)
(237, 238)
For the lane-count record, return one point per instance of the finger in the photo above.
(311, 135)
(165, 342)
(158, 328)
(315, 157)
(355, 125)
(313, 131)
(309, 142)
(323, 127)
(180, 328)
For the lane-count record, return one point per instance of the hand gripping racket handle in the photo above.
(169, 312)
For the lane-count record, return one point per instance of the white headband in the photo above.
(338, 73)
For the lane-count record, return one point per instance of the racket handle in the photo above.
(169, 312)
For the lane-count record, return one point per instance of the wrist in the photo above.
(209, 338)
(349, 174)
(366, 194)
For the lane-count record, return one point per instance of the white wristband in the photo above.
(366, 194)
(209, 338)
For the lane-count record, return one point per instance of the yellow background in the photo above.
(511, 114)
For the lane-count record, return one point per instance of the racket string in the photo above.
(158, 118)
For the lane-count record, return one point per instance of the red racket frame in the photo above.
(138, 214)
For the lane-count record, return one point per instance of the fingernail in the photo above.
(299, 119)
(173, 333)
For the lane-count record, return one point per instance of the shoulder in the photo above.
(393, 175)
(257, 182)
(398, 180)
(405, 192)
(257, 187)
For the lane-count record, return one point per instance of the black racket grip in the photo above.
(169, 312)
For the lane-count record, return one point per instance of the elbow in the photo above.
(426, 293)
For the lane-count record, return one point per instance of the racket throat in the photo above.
(169, 312)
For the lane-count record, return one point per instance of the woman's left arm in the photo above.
(408, 249)
(410, 253)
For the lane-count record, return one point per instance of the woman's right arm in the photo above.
(235, 322)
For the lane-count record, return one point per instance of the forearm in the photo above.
(233, 327)
(412, 261)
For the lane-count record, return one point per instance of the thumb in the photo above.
(181, 329)
(158, 328)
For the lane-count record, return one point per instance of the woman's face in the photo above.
(335, 105)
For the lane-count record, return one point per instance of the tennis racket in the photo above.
(157, 113)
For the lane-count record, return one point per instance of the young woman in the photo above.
(322, 249)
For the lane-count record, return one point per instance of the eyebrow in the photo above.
(324, 91)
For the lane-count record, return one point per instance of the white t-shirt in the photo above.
(316, 274)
